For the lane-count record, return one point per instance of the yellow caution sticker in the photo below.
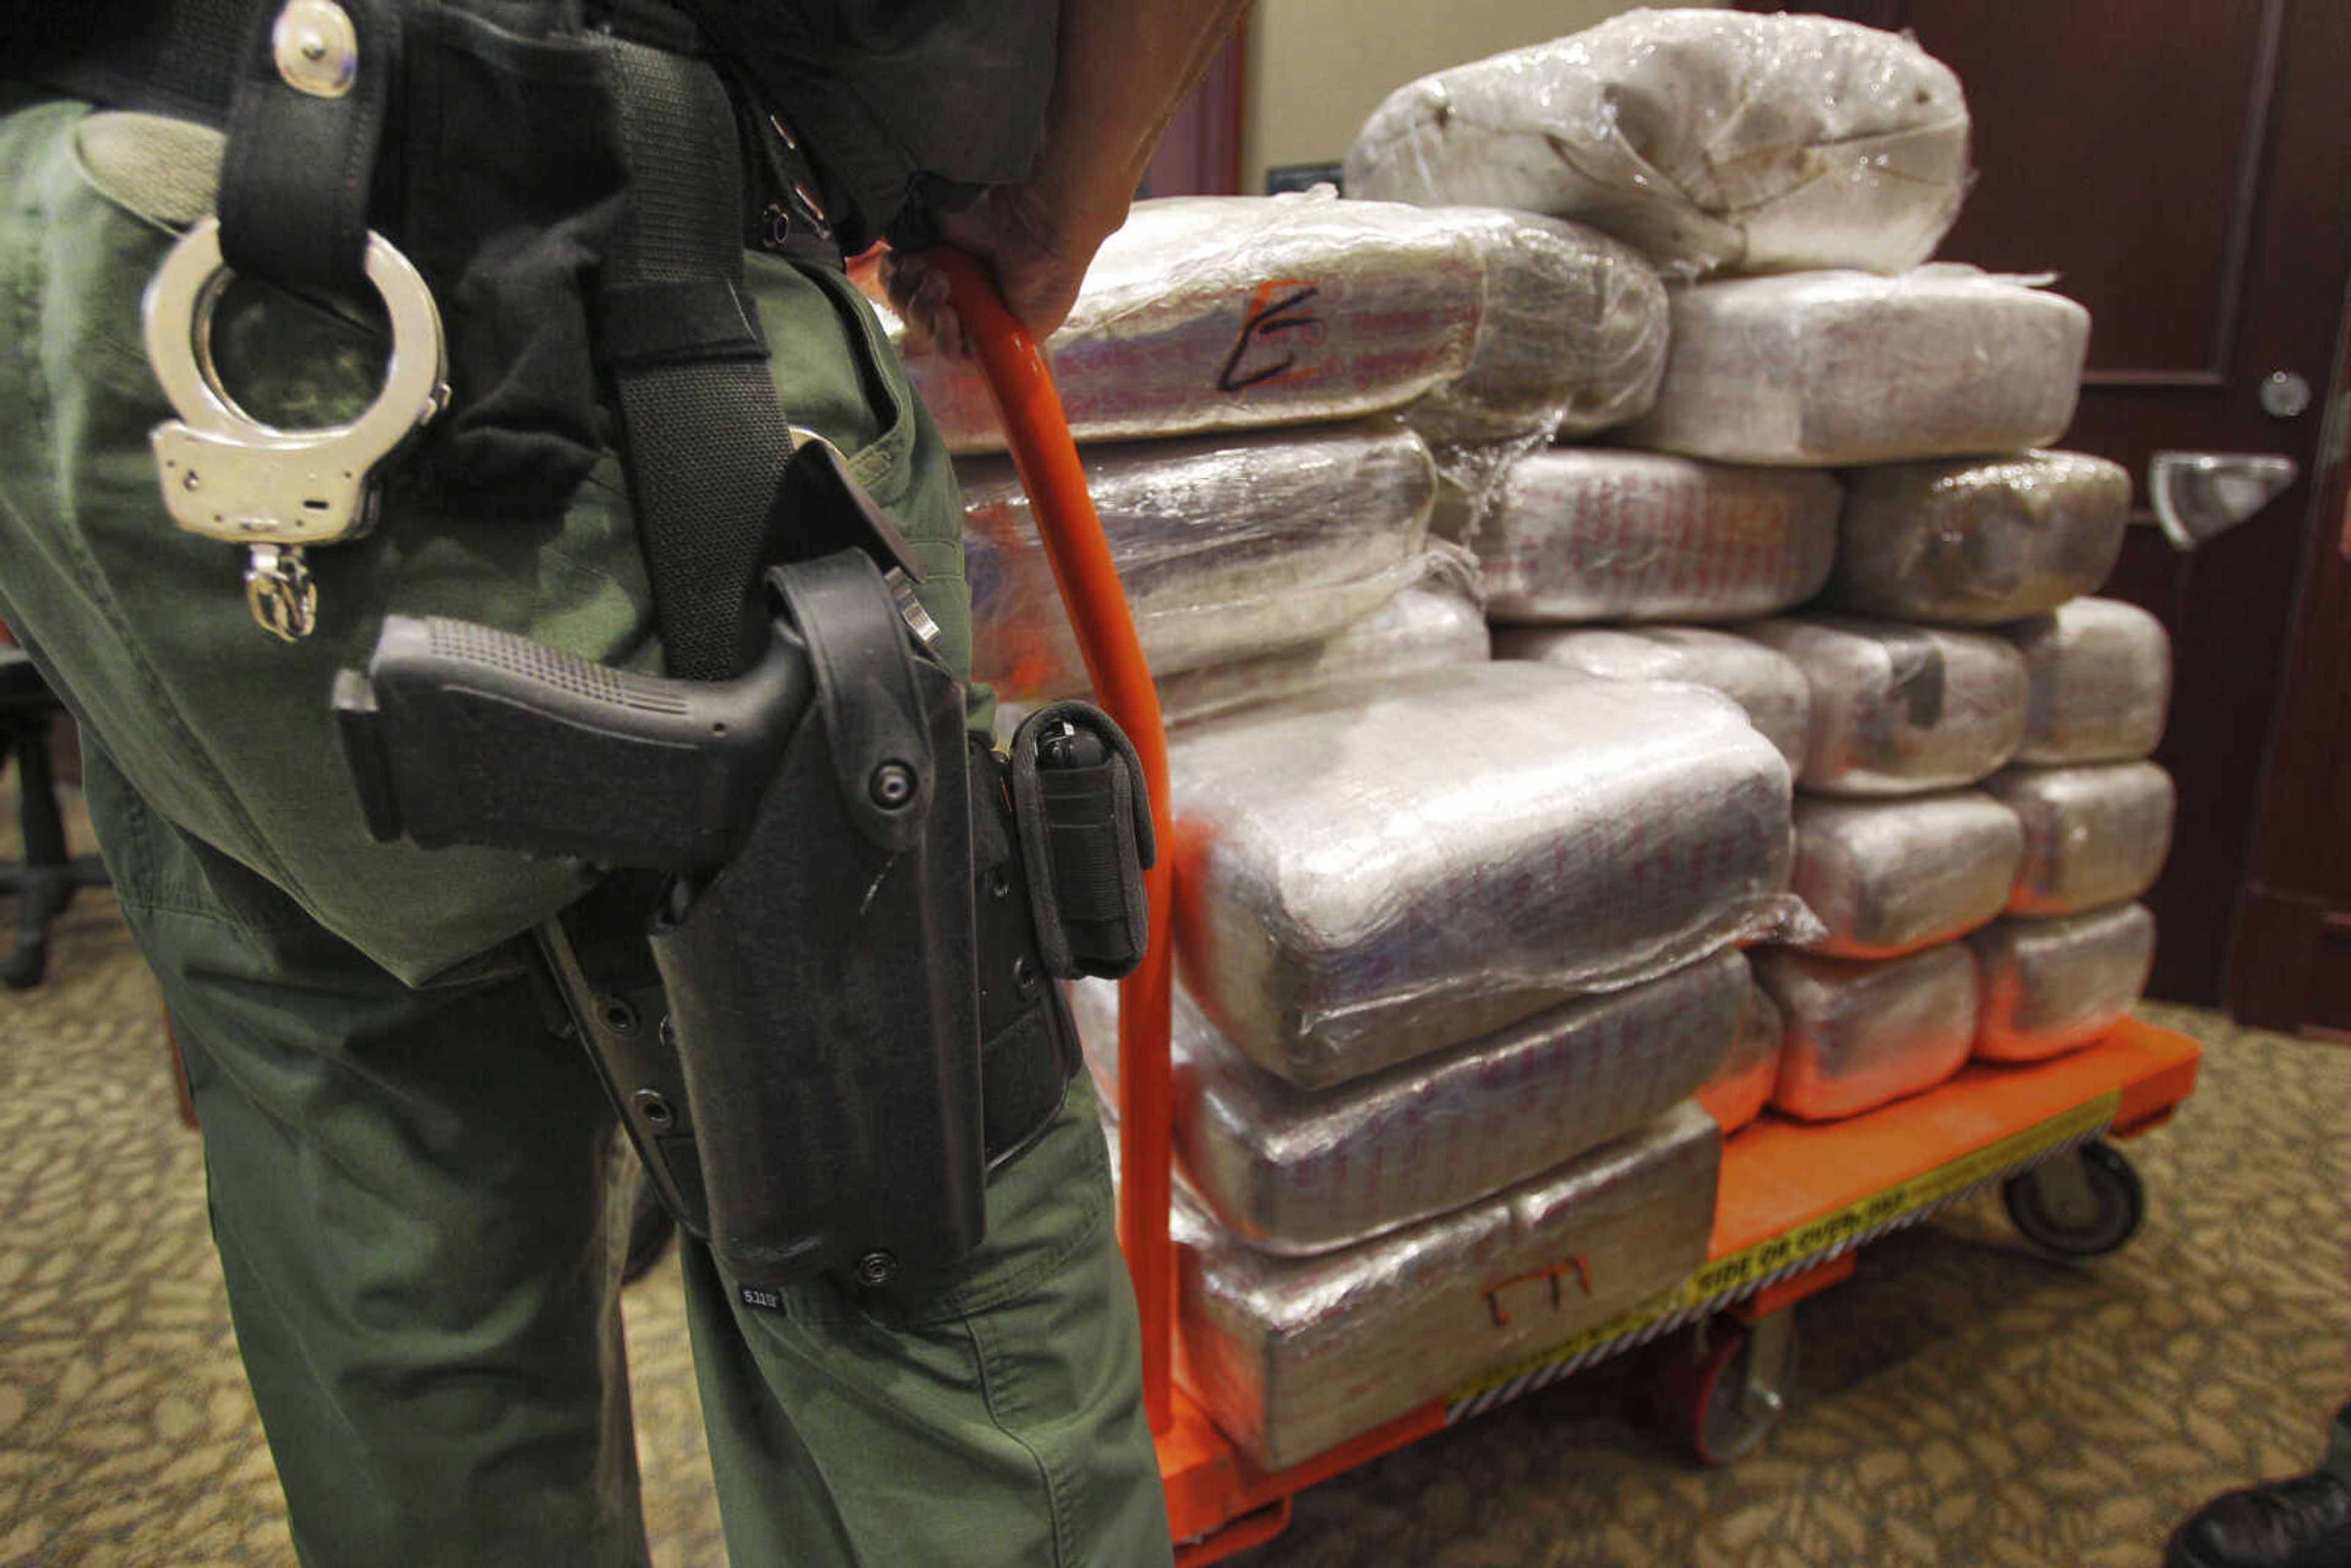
(1727, 1280)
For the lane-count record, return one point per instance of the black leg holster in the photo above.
(828, 1042)
(822, 984)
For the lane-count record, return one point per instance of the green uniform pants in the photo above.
(405, 1166)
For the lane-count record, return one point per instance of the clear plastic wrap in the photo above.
(1227, 547)
(1834, 369)
(1742, 1085)
(1209, 313)
(1710, 139)
(2052, 986)
(2100, 674)
(2093, 836)
(1578, 536)
(1293, 1356)
(1889, 877)
(1980, 541)
(1468, 479)
(1862, 1032)
(1373, 875)
(1438, 618)
(1763, 681)
(1297, 1173)
(1571, 335)
(1900, 710)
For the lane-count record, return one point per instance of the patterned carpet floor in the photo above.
(1960, 1401)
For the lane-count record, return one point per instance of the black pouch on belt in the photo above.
(1085, 836)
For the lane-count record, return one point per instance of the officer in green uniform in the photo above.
(406, 1168)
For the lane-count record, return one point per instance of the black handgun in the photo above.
(460, 734)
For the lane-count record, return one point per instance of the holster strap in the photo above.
(657, 323)
(298, 181)
(707, 438)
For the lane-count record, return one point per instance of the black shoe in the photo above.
(2304, 1522)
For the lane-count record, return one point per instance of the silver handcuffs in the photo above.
(227, 475)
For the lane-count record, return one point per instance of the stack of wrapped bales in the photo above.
(1456, 940)
(1454, 951)
(1272, 395)
(1462, 1006)
(2072, 953)
(1842, 516)
(1950, 633)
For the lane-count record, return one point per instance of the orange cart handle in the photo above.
(1039, 436)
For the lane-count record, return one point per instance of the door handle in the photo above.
(2199, 496)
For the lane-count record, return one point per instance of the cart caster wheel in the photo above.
(1721, 1396)
(2084, 1204)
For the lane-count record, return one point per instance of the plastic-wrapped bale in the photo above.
(1900, 710)
(1436, 618)
(1710, 139)
(1742, 1085)
(1227, 547)
(1294, 1355)
(1579, 536)
(2100, 674)
(2052, 986)
(1862, 1032)
(1889, 877)
(1233, 313)
(1832, 368)
(1376, 873)
(1210, 313)
(1980, 541)
(2093, 836)
(1763, 681)
(1298, 1172)
(1571, 335)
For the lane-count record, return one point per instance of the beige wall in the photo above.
(1317, 69)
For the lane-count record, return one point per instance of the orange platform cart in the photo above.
(1795, 1200)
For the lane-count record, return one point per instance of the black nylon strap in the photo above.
(707, 438)
(656, 321)
(299, 177)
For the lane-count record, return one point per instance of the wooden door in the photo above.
(2292, 963)
(2185, 167)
